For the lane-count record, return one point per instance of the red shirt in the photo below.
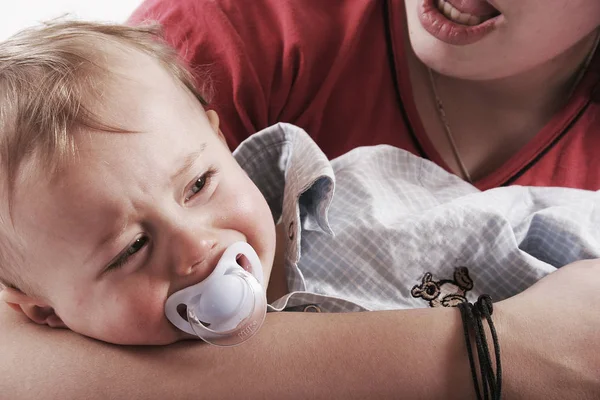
(337, 69)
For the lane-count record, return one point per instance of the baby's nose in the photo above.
(195, 251)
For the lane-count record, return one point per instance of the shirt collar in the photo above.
(294, 176)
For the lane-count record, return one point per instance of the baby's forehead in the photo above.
(148, 121)
(118, 82)
(131, 80)
(66, 215)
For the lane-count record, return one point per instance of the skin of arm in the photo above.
(416, 354)
(423, 352)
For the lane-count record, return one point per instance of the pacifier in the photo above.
(229, 306)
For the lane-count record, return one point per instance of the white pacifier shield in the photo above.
(221, 300)
(229, 306)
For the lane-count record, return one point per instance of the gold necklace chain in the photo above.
(442, 113)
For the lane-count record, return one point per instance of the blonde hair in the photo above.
(48, 75)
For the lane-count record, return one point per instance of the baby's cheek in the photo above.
(128, 317)
(144, 315)
(138, 322)
(251, 208)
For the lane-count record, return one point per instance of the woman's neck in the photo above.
(492, 120)
(539, 91)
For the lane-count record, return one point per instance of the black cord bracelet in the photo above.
(472, 318)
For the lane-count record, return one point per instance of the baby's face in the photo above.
(138, 216)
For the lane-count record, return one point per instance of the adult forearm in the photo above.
(548, 335)
(413, 354)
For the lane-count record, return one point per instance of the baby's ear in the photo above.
(37, 311)
(213, 118)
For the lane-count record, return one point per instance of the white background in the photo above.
(18, 14)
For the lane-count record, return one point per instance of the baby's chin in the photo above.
(177, 336)
(171, 338)
(168, 337)
(187, 337)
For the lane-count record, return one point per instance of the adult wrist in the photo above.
(486, 373)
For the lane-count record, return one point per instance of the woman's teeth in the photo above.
(459, 17)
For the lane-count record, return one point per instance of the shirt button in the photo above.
(291, 231)
(312, 308)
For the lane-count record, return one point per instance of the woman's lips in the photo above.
(446, 23)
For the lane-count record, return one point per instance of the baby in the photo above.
(119, 191)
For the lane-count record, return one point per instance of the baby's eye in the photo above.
(136, 246)
(128, 254)
(200, 184)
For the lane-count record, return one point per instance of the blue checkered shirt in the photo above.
(379, 228)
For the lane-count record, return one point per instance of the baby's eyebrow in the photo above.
(188, 162)
(115, 233)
